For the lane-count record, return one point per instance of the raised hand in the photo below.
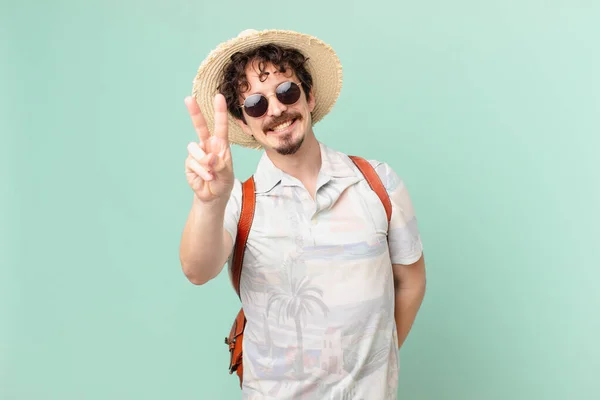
(208, 167)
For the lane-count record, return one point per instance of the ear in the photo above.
(244, 126)
(311, 101)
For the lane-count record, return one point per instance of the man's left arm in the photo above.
(409, 289)
(406, 253)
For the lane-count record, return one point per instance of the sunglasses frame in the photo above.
(266, 97)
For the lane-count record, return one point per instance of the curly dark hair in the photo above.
(234, 75)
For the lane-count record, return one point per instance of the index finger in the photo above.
(197, 119)
(221, 130)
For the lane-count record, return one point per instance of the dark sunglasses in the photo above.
(256, 105)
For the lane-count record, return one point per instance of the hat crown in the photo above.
(247, 32)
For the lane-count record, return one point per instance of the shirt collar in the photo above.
(333, 165)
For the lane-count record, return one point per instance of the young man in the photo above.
(330, 290)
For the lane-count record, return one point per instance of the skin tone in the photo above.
(205, 244)
(295, 150)
(409, 291)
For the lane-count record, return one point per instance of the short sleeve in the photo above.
(403, 231)
(233, 210)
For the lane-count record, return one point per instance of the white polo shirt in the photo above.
(317, 285)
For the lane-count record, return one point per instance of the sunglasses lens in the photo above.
(256, 105)
(288, 93)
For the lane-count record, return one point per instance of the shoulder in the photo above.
(236, 195)
(389, 177)
(234, 202)
(236, 191)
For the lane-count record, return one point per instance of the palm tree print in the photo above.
(251, 283)
(296, 300)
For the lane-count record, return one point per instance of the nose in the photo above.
(276, 108)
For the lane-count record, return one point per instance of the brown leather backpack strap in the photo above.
(236, 335)
(374, 181)
(244, 224)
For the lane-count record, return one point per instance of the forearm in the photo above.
(203, 249)
(408, 300)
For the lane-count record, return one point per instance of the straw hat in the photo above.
(323, 65)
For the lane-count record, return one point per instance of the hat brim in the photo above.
(323, 65)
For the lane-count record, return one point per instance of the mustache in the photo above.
(282, 118)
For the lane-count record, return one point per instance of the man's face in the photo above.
(271, 129)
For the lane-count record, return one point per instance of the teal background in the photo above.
(489, 110)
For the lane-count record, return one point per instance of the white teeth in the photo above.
(282, 126)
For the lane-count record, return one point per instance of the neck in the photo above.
(303, 165)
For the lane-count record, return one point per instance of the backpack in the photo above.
(236, 335)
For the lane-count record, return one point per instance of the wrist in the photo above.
(211, 206)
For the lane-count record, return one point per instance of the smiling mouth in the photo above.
(283, 126)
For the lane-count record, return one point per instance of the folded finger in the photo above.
(192, 165)
(196, 151)
(206, 160)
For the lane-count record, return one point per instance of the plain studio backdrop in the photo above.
(489, 111)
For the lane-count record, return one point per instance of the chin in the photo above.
(289, 145)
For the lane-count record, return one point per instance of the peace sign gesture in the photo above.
(208, 167)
